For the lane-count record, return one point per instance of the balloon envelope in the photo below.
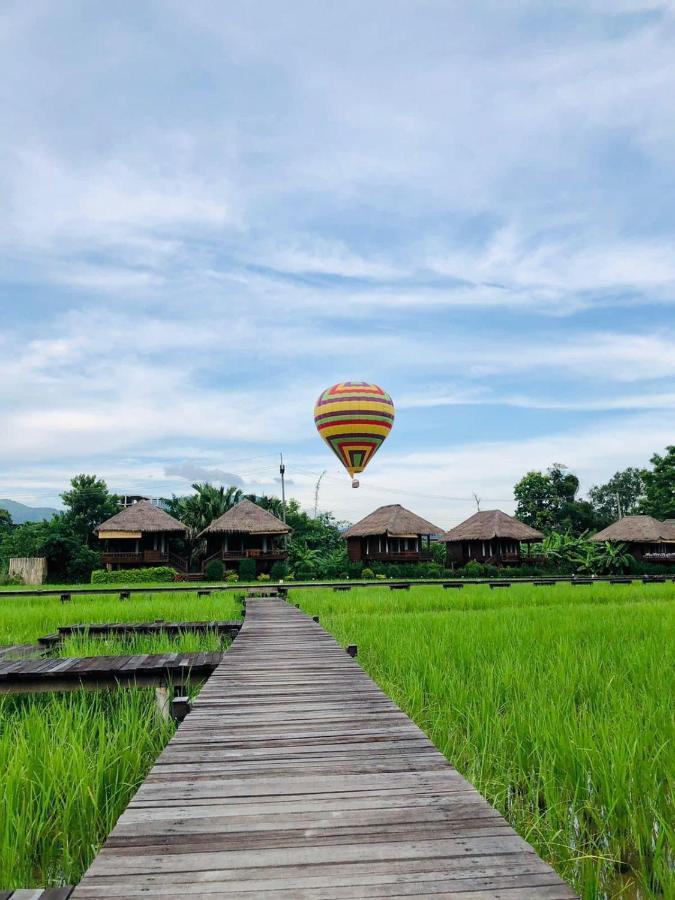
(354, 418)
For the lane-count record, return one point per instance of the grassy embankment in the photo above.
(556, 702)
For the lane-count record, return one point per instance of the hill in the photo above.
(21, 513)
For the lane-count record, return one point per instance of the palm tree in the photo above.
(198, 510)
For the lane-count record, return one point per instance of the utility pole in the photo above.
(282, 472)
(316, 493)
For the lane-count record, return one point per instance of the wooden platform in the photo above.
(295, 776)
(129, 629)
(25, 676)
(61, 893)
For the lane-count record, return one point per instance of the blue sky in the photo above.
(212, 212)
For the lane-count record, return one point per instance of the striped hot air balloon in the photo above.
(354, 418)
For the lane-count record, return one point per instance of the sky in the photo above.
(211, 212)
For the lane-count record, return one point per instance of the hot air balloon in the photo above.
(354, 418)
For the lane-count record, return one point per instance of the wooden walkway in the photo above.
(130, 629)
(24, 676)
(295, 776)
(62, 893)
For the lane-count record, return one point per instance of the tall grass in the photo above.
(24, 619)
(69, 763)
(557, 703)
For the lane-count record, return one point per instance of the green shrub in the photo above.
(473, 569)
(380, 576)
(214, 570)
(6, 580)
(133, 576)
(279, 570)
(263, 577)
(367, 573)
(247, 570)
(231, 577)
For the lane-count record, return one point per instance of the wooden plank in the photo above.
(294, 776)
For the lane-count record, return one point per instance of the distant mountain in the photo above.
(21, 513)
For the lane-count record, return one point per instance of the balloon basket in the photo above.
(355, 482)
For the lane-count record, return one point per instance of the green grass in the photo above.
(69, 764)
(116, 645)
(23, 620)
(556, 702)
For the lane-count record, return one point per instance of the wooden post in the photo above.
(352, 650)
(124, 595)
(66, 598)
(315, 618)
(180, 707)
(162, 700)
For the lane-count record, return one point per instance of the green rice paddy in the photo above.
(556, 702)
(70, 762)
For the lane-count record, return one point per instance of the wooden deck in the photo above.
(23, 676)
(62, 893)
(230, 628)
(295, 776)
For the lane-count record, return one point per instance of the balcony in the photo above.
(668, 556)
(398, 556)
(253, 554)
(145, 557)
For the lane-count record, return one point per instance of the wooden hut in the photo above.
(648, 539)
(141, 535)
(247, 531)
(391, 534)
(490, 536)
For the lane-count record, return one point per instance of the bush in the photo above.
(367, 573)
(279, 570)
(380, 576)
(247, 570)
(263, 577)
(231, 577)
(133, 576)
(214, 570)
(6, 580)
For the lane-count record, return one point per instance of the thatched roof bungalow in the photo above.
(490, 536)
(247, 531)
(140, 535)
(391, 534)
(648, 539)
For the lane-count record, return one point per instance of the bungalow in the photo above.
(246, 531)
(390, 534)
(489, 537)
(648, 539)
(141, 535)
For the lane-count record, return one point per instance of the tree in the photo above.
(622, 495)
(198, 510)
(5, 521)
(659, 499)
(88, 503)
(547, 501)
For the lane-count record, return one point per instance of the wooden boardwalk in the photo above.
(24, 676)
(295, 776)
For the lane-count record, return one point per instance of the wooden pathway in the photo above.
(295, 776)
(23, 676)
(62, 893)
(130, 629)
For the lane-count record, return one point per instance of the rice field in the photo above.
(556, 702)
(25, 619)
(70, 762)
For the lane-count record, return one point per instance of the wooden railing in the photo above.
(398, 556)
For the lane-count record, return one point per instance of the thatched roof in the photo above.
(144, 517)
(247, 518)
(394, 520)
(637, 530)
(489, 524)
